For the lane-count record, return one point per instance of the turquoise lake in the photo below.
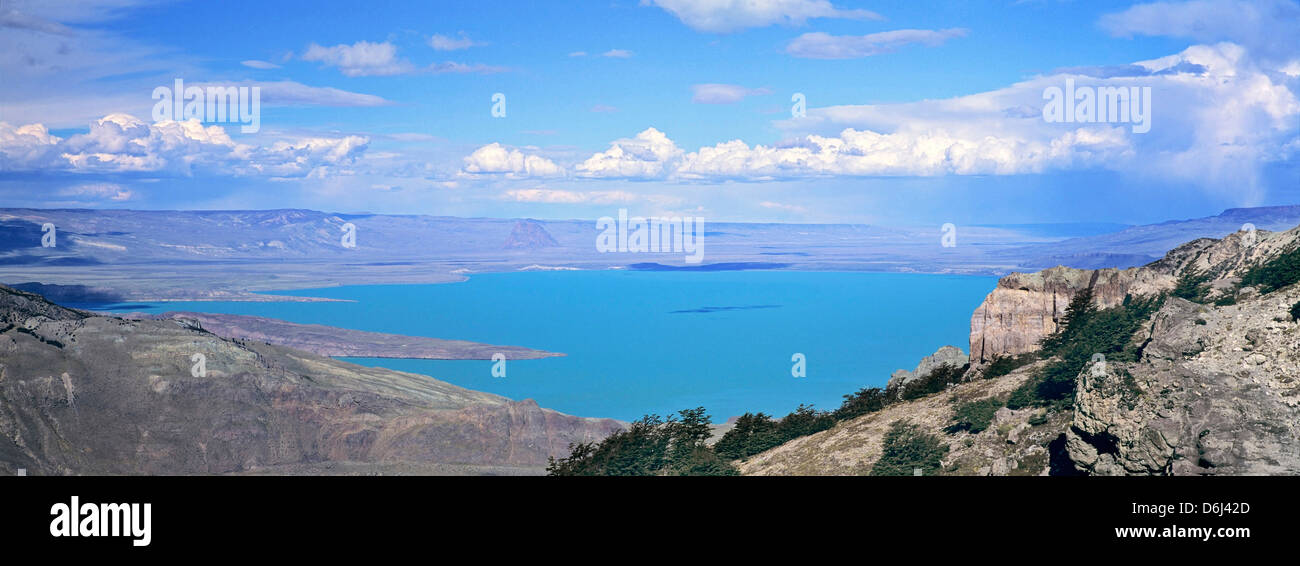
(657, 342)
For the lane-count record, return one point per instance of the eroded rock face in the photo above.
(82, 394)
(946, 355)
(1216, 392)
(1026, 307)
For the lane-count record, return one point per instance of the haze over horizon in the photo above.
(916, 113)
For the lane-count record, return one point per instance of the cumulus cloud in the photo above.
(1217, 117)
(819, 45)
(647, 155)
(723, 16)
(714, 93)
(120, 143)
(496, 159)
(868, 153)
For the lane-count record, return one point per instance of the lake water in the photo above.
(657, 342)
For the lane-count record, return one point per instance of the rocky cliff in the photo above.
(1214, 388)
(84, 394)
(1025, 307)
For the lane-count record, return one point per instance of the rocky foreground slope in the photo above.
(1215, 389)
(84, 394)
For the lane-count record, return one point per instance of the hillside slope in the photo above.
(1214, 389)
(84, 394)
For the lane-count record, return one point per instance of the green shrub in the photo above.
(1274, 274)
(755, 433)
(935, 381)
(1002, 365)
(906, 448)
(648, 447)
(1085, 331)
(1295, 311)
(1192, 285)
(975, 416)
(866, 400)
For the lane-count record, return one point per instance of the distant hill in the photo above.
(85, 394)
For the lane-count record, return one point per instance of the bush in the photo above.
(650, 446)
(756, 433)
(866, 400)
(1295, 311)
(975, 416)
(1192, 285)
(1274, 274)
(906, 448)
(1002, 365)
(1085, 331)
(935, 381)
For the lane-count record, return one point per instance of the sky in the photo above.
(821, 111)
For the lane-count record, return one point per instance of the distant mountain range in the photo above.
(128, 255)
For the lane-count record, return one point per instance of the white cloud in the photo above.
(1268, 27)
(99, 191)
(120, 143)
(578, 54)
(255, 64)
(447, 43)
(647, 155)
(495, 158)
(820, 45)
(714, 93)
(724, 16)
(617, 53)
(364, 58)
(1217, 117)
(360, 59)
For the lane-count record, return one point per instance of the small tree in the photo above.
(907, 448)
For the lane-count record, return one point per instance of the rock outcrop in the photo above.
(1216, 392)
(84, 394)
(946, 355)
(1215, 389)
(1025, 307)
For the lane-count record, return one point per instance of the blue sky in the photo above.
(917, 112)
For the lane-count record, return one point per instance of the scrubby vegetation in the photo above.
(652, 446)
(1276, 273)
(1003, 365)
(975, 416)
(1192, 285)
(1083, 332)
(756, 433)
(933, 382)
(907, 448)
(1295, 311)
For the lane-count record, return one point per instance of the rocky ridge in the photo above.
(85, 394)
(1215, 389)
